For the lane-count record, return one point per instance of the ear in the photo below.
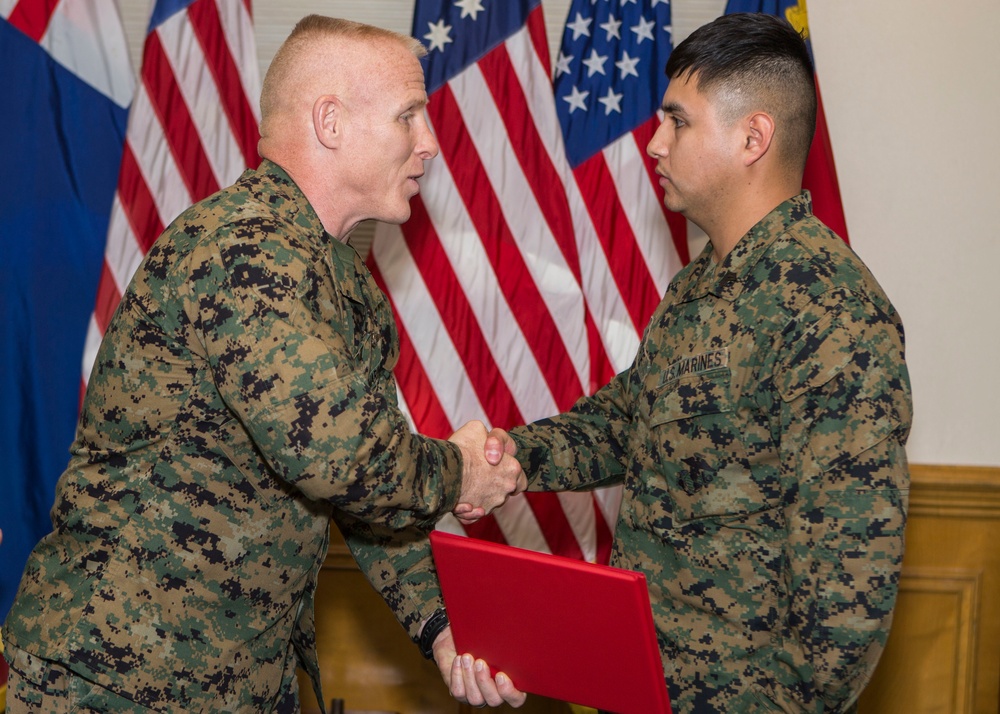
(328, 120)
(759, 133)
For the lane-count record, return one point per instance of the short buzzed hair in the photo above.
(750, 62)
(310, 28)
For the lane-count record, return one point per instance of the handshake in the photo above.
(490, 473)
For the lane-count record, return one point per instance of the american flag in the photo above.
(192, 130)
(538, 246)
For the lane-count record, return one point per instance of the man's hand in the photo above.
(469, 679)
(498, 443)
(490, 473)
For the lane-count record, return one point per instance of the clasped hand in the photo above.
(490, 473)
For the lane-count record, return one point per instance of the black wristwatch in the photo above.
(435, 625)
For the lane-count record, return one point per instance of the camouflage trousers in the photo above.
(38, 686)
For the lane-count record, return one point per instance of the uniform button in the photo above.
(728, 280)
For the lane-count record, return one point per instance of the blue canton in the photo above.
(609, 74)
(459, 32)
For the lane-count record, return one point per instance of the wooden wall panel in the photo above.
(943, 655)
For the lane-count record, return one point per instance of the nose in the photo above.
(657, 147)
(427, 146)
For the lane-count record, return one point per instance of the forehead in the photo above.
(683, 93)
(391, 72)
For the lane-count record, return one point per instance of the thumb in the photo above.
(494, 450)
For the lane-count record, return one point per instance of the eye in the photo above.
(678, 122)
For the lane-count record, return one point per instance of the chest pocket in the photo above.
(695, 424)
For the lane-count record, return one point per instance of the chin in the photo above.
(397, 217)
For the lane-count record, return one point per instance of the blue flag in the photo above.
(65, 87)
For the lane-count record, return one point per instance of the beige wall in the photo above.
(912, 94)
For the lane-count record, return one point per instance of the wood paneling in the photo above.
(943, 655)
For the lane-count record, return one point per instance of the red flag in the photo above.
(192, 130)
(523, 281)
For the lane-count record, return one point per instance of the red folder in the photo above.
(558, 627)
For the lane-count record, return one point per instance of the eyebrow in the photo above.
(417, 104)
(672, 108)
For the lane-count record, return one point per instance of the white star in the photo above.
(626, 2)
(576, 100)
(438, 36)
(627, 65)
(612, 102)
(595, 63)
(644, 30)
(611, 27)
(580, 26)
(669, 29)
(469, 7)
(562, 64)
(657, 2)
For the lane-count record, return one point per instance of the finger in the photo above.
(493, 449)
(487, 687)
(457, 680)
(509, 692)
(473, 695)
(463, 508)
(472, 516)
(509, 447)
(522, 483)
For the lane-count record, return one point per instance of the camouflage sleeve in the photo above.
(583, 448)
(399, 565)
(845, 415)
(277, 335)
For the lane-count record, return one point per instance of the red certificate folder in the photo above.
(558, 627)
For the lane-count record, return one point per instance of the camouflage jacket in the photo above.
(759, 435)
(242, 395)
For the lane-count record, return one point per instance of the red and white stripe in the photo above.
(84, 36)
(519, 285)
(192, 130)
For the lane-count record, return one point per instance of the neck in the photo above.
(318, 190)
(727, 227)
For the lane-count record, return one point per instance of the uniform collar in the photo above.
(284, 197)
(725, 280)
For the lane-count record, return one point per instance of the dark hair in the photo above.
(750, 62)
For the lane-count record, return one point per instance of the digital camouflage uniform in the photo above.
(242, 396)
(759, 435)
